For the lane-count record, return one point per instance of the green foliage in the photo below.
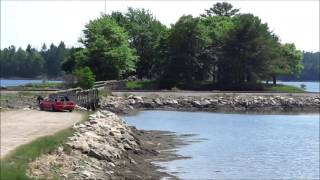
(284, 88)
(184, 62)
(141, 85)
(175, 89)
(287, 61)
(54, 58)
(21, 63)
(31, 63)
(245, 53)
(43, 85)
(144, 34)
(85, 77)
(311, 63)
(74, 59)
(104, 93)
(310, 71)
(107, 50)
(221, 9)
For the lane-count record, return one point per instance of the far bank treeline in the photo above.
(221, 46)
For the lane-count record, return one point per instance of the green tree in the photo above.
(85, 77)
(144, 34)
(76, 58)
(287, 62)
(218, 27)
(34, 63)
(221, 9)
(31, 63)
(107, 49)
(54, 58)
(311, 70)
(186, 42)
(246, 51)
(8, 66)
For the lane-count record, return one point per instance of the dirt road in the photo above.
(20, 127)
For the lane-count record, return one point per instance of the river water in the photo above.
(239, 146)
(11, 82)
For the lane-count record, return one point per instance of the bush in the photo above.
(85, 77)
(175, 89)
(141, 85)
(104, 92)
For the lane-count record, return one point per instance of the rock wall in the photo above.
(130, 103)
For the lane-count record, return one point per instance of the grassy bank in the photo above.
(141, 85)
(42, 86)
(209, 86)
(20, 99)
(15, 164)
(284, 88)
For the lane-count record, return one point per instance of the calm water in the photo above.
(240, 145)
(10, 82)
(310, 86)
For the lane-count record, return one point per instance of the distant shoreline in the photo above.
(23, 78)
(279, 81)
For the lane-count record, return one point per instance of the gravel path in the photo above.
(20, 127)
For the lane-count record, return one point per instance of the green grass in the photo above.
(15, 164)
(140, 85)
(104, 93)
(284, 88)
(19, 95)
(43, 85)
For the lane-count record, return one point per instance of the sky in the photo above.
(37, 22)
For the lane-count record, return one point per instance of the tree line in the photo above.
(222, 46)
(31, 63)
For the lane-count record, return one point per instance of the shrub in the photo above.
(85, 77)
(141, 85)
(175, 89)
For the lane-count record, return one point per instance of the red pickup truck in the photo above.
(59, 103)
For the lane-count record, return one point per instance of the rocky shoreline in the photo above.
(105, 147)
(130, 104)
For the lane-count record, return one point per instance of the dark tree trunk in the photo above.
(274, 80)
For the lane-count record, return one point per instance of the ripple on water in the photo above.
(239, 145)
